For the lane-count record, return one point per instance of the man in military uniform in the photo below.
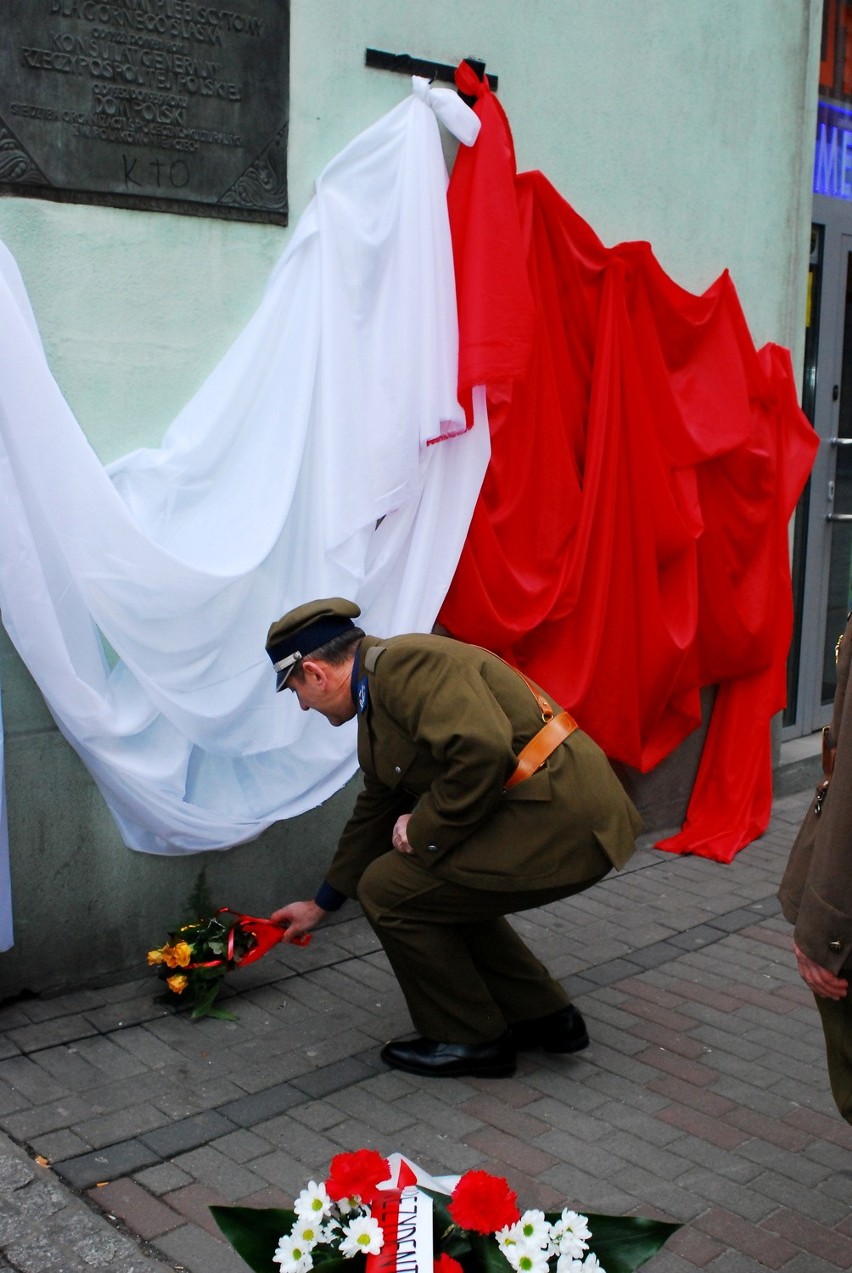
(816, 891)
(480, 799)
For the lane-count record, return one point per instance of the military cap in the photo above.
(301, 631)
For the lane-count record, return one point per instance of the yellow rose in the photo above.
(182, 952)
(178, 983)
(177, 956)
(155, 957)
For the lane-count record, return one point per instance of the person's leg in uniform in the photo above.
(466, 974)
(836, 1016)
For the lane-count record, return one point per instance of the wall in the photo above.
(687, 125)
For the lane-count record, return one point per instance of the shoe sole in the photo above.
(470, 1071)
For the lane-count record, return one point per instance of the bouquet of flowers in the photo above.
(195, 958)
(379, 1215)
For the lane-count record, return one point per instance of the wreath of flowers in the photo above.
(477, 1228)
(195, 958)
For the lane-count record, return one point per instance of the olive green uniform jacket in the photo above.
(816, 891)
(443, 724)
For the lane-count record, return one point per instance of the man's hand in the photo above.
(399, 837)
(298, 918)
(822, 982)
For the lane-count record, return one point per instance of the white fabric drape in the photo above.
(265, 493)
(6, 927)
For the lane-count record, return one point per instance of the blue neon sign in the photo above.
(833, 151)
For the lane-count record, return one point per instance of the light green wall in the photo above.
(688, 123)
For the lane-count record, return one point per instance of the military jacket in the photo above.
(439, 735)
(816, 890)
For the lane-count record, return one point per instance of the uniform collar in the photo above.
(358, 686)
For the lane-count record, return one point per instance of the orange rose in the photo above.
(178, 983)
(177, 956)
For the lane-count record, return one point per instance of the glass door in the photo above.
(838, 514)
(822, 535)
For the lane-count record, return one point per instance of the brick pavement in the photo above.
(703, 1097)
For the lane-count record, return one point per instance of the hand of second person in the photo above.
(399, 836)
(820, 980)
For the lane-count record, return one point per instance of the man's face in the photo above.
(319, 687)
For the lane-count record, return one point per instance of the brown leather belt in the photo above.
(554, 731)
(537, 750)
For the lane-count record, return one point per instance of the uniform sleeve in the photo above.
(823, 919)
(447, 708)
(367, 834)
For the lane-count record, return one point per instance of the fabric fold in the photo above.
(139, 596)
(629, 544)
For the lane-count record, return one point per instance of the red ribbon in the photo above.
(265, 932)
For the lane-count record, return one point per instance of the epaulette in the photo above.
(372, 657)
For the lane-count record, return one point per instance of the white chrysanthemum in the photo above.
(328, 1232)
(527, 1257)
(507, 1238)
(592, 1264)
(292, 1255)
(533, 1228)
(362, 1236)
(571, 1234)
(347, 1205)
(307, 1232)
(313, 1201)
(567, 1264)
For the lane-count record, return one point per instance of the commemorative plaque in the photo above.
(167, 105)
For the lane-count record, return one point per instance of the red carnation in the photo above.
(356, 1175)
(483, 1202)
(446, 1264)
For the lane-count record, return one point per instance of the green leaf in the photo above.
(490, 1257)
(218, 1013)
(330, 1263)
(253, 1232)
(622, 1243)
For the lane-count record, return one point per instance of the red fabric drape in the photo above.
(629, 544)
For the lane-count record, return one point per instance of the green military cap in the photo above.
(301, 631)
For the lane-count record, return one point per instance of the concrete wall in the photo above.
(689, 125)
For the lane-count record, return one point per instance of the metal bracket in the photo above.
(405, 64)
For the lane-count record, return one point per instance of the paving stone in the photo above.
(263, 1105)
(214, 1170)
(54, 1146)
(32, 1038)
(143, 1213)
(106, 1164)
(195, 1202)
(334, 1077)
(175, 1138)
(507, 1149)
(119, 1125)
(751, 1240)
(808, 1235)
(712, 1130)
(191, 1248)
(162, 1178)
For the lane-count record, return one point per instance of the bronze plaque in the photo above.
(167, 105)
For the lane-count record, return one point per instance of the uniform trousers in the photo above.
(465, 973)
(836, 1016)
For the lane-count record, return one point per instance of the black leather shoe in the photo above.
(449, 1060)
(562, 1031)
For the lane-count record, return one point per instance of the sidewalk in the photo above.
(703, 1097)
